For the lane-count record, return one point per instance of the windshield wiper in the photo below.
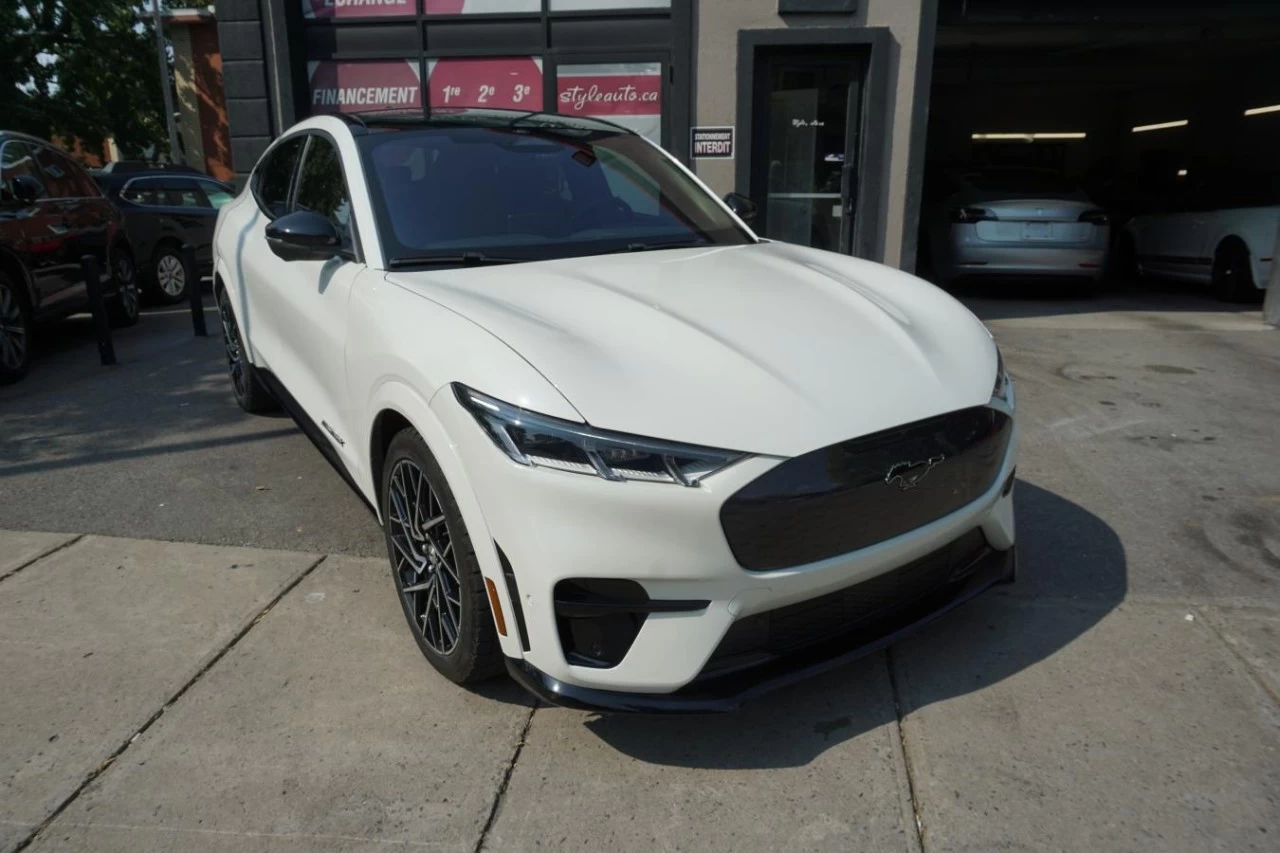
(653, 247)
(465, 259)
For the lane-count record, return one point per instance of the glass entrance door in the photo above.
(806, 146)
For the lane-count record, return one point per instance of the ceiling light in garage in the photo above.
(1164, 125)
(1025, 137)
(1257, 111)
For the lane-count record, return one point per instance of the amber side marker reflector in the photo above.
(497, 608)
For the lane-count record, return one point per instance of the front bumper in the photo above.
(552, 526)
(730, 691)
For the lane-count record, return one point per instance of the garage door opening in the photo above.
(1103, 152)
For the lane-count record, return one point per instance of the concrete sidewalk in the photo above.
(160, 696)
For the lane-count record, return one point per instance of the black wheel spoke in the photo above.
(423, 556)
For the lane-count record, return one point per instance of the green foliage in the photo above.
(83, 69)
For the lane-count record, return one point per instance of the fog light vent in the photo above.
(596, 624)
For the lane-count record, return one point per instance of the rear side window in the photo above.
(321, 188)
(15, 160)
(183, 192)
(59, 178)
(217, 194)
(275, 174)
(145, 192)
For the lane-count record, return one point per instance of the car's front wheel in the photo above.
(123, 309)
(15, 332)
(434, 565)
(251, 394)
(1232, 273)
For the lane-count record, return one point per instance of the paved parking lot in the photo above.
(202, 651)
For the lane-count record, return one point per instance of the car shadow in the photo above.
(1072, 573)
(1010, 298)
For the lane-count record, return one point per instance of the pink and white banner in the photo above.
(504, 82)
(352, 87)
(358, 8)
(478, 7)
(625, 93)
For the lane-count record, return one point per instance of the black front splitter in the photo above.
(729, 692)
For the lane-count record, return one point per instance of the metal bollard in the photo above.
(93, 286)
(195, 290)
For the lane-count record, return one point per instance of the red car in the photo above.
(51, 214)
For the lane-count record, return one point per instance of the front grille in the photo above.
(762, 636)
(860, 492)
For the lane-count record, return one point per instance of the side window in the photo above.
(59, 174)
(217, 194)
(145, 191)
(183, 192)
(321, 188)
(85, 184)
(274, 175)
(15, 160)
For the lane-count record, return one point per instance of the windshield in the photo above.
(533, 194)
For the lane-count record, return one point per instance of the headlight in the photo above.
(542, 441)
(1004, 385)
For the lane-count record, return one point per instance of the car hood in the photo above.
(768, 348)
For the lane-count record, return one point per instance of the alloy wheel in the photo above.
(231, 343)
(171, 276)
(13, 331)
(426, 566)
(124, 273)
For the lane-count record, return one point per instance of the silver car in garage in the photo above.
(1021, 222)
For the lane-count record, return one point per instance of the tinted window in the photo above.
(145, 191)
(183, 193)
(63, 178)
(15, 160)
(274, 175)
(218, 194)
(1036, 181)
(321, 188)
(534, 192)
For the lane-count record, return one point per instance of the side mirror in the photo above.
(303, 236)
(26, 189)
(744, 207)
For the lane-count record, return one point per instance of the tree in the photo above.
(81, 69)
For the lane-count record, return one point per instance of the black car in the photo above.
(51, 214)
(164, 208)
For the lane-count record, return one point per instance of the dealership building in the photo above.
(830, 114)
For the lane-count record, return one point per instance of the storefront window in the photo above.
(593, 5)
(478, 7)
(626, 93)
(329, 9)
(351, 87)
(504, 82)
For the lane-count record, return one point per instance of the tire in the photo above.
(168, 284)
(431, 555)
(1232, 273)
(250, 392)
(15, 332)
(123, 308)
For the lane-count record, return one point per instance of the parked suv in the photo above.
(162, 209)
(51, 214)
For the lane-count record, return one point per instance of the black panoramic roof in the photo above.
(403, 119)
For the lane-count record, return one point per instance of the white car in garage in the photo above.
(1222, 234)
(619, 445)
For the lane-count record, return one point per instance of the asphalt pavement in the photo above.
(202, 649)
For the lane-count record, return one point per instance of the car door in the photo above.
(33, 230)
(301, 306)
(84, 225)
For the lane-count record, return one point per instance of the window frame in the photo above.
(255, 180)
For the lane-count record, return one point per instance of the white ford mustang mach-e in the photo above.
(619, 444)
